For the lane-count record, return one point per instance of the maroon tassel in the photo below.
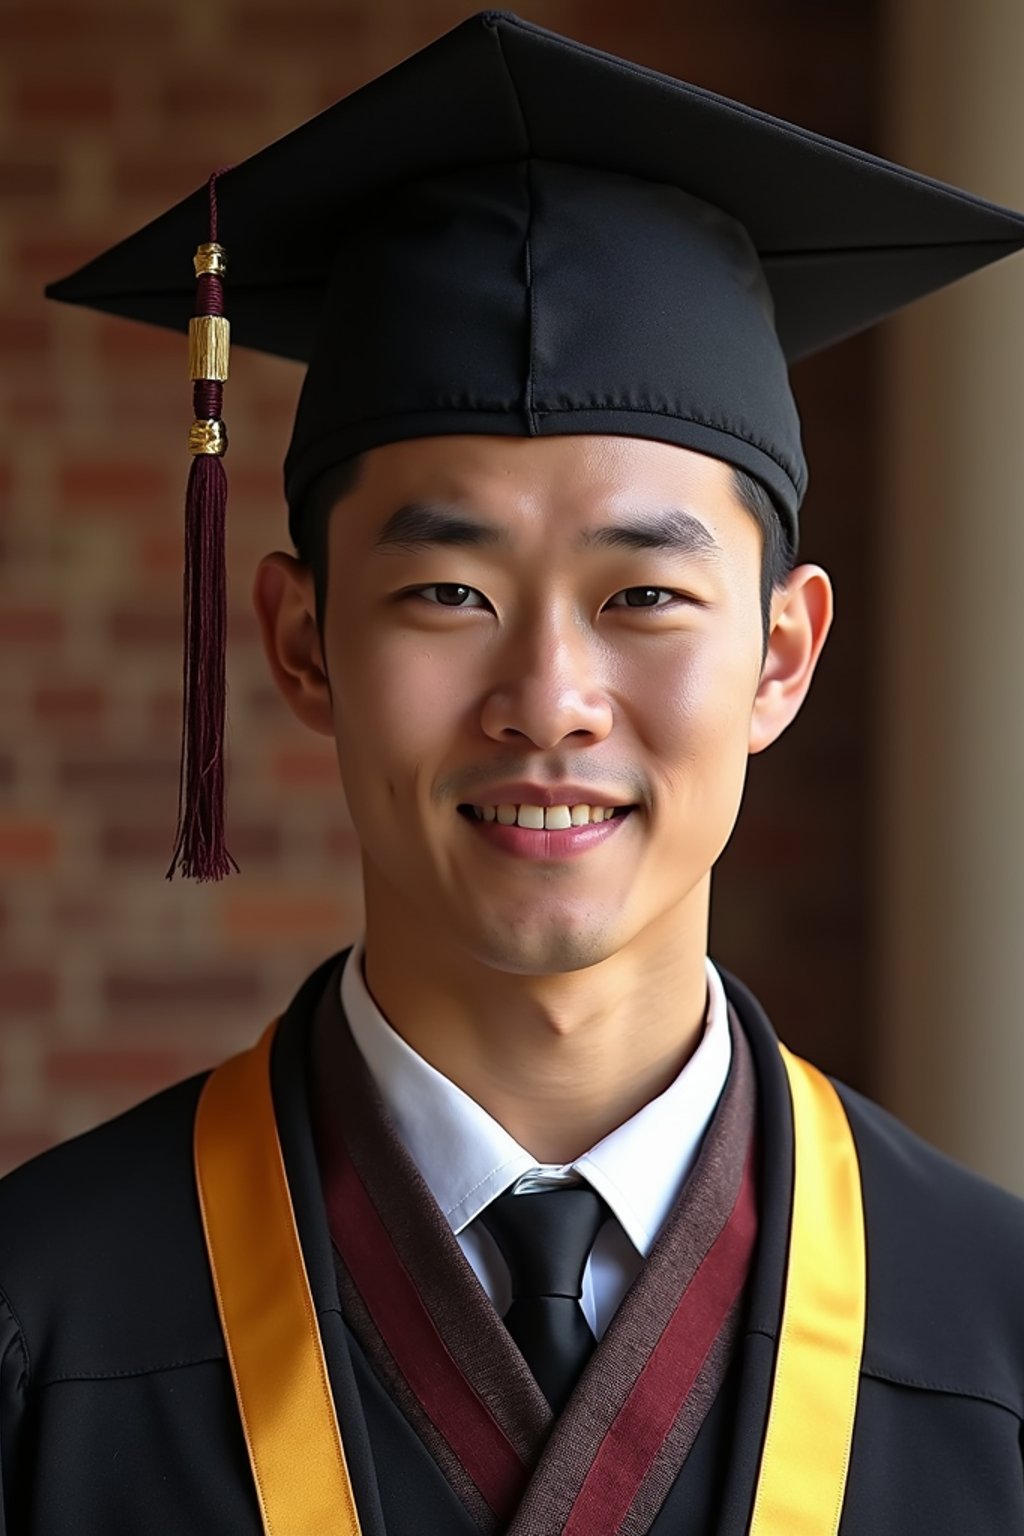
(199, 841)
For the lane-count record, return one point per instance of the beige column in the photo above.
(950, 651)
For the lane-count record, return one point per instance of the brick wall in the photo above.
(112, 980)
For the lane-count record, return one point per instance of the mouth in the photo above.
(524, 832)
(551, 818)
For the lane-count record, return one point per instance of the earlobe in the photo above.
(285, 604)
(801, 619)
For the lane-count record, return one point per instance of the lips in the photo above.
(543, 843)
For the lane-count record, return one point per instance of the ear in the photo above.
(801, 616)
(285, 602)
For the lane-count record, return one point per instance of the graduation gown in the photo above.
(117, 1413)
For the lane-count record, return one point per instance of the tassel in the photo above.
(199, 840)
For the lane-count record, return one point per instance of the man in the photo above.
(521, 1219)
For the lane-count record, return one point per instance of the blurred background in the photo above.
(873, 894)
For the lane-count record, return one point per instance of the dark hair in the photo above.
(777, 559)
(778, 553)
(314, 523)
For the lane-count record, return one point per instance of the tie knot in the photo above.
(546, 1238)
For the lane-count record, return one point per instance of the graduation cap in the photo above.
(513, 233)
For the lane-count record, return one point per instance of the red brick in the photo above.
(29, 179)
(302, 25)
(112, 485)
(149, 991)
(37, 261)
(80, 914)
(152, 405)
(272, 412)
(159, 181)
(162, 554)
(133, 843)
(27, 845)
(70, 100)
(23, 335)
(144, 1071)
(117, 775)
(30, 626)
(160, 627)
(315, 769)
(127, 342)
(33, 408)
(164, 708)
(106, 27)
(276, 918)
(28, 989)
(322, 94)
(84, 702)
(255, 483)
(201, 97)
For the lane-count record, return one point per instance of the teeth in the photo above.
(537, 818)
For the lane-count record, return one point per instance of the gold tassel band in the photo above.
(208, 345)
(208, 436)
(210, 258)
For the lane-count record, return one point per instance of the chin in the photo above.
(546, 946)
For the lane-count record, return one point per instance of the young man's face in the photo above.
(543, 650)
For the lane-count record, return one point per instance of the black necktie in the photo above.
(545, 1239)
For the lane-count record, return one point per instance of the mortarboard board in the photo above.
(513, 233)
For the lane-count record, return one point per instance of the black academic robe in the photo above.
(116, 1408)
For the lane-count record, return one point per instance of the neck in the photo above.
(560, 1060)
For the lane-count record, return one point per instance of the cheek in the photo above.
(397, 701)
(691, 707)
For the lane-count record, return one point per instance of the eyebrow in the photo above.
(670, 530)
(420, 525)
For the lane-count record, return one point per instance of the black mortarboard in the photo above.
(513, 233)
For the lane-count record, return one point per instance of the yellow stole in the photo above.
(276, 1353)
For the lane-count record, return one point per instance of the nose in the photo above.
(550, 688)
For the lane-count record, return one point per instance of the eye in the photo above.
(647, 597)
(450, 594)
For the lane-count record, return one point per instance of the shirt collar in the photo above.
(467, 1159)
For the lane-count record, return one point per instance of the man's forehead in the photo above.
(477, 489)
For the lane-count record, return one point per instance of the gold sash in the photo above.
(806, 1453)
(266, 1310)
(277, 1358)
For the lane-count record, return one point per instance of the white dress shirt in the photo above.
(467, 1159)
